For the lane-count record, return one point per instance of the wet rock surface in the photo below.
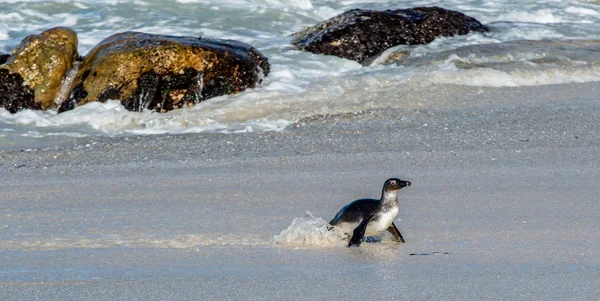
(3, 58)
(361, 34)
(13, 95)
(41, 61)
(161, 73)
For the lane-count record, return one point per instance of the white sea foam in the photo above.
(111, 118)
(538, 16)
(189, 241)
(310, 231)
(582, 11)
(497, 78)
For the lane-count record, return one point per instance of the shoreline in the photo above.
(455, 102)
(417, 101)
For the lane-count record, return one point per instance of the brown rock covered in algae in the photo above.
(161, 73)
(40, 64)
(361, 34)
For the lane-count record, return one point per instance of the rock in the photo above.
(161, 73)
(14, 96)
(361, 34)
(3, 58)
(41, 61)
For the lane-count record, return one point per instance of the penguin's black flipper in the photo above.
(359, 232)
(392, 229)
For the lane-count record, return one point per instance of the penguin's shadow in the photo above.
(382, 239)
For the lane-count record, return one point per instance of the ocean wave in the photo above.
(303, 84)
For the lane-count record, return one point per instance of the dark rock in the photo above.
(153, 91)
(14, 96)
(78, 92)
(3, 58)
(360, 34)
(161, 73)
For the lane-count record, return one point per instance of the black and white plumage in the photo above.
(368, 217)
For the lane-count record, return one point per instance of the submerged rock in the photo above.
(360, 34)
(518, 55)
(161, 73)
(41, 63)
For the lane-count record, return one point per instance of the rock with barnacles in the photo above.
(361, 34)
(37, 67)
(162, 73)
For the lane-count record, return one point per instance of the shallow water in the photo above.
(300, 84)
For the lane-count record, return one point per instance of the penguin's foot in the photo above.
(372, 239)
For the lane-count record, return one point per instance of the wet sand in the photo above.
(505, 181)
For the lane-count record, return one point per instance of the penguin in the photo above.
(368, 217)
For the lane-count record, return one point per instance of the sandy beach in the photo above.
(503, 206)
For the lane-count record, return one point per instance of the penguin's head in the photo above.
(395, 183)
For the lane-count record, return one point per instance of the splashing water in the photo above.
(198, 86)
(310, 230)
(67, 84)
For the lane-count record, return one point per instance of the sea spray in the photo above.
(66, 84)
(310, 230)
(197, 87)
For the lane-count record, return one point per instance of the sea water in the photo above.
(303, 84)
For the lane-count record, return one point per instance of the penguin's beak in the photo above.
(404, 183)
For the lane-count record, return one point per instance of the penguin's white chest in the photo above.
(382, 223)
